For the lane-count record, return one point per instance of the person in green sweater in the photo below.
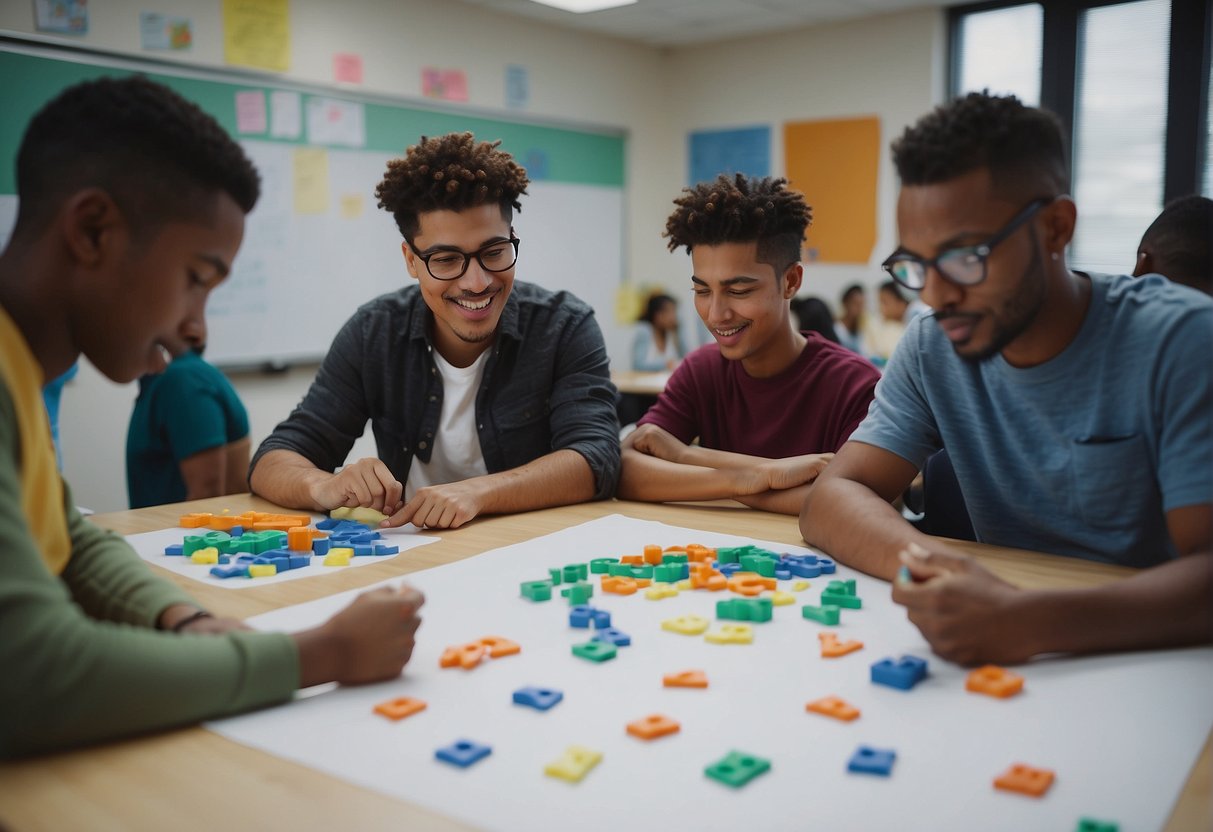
(131, 207)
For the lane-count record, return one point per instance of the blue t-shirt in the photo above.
(1084, 454)
(189, 408)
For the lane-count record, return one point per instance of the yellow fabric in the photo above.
(41, 487)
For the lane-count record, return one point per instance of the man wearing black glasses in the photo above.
(1076, 409)
(486, 396)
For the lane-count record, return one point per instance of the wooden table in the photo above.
(194, 779)
(640, 384)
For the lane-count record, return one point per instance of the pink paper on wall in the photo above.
(347, 68)
(250, 111)
(447, 84)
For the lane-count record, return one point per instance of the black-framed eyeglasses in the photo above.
(450, 264)
(965, 266)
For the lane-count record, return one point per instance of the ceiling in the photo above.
(684, 22)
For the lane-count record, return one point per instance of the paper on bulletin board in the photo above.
(63, 16)
(446, 84)
(311, 180)
(250, 111)
(335, 122)
(834, 163)
(351, 206)
(286, 114)
(257, 33)
(162, 32)
(743, 150)
(347, 68)
(517, 86)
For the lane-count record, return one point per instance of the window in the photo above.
(999, 50)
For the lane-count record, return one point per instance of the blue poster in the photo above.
(741, 150)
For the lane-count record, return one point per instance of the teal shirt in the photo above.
(189, 408)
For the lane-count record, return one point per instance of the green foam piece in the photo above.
(668, 573)
(848, 601)
(578, 593)
(555, 576)
(841, 587)
(744, 609)
(822, 615)
(737, 769)
(762, 564)
(575, 572)
(537, 590)
(602, 566)
(595, 651)
(674, 557)
(1093, 825)
(732, 554)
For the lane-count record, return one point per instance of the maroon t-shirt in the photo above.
(809, 408)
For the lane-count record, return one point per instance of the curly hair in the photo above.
(156, 154)
(1179, 240)
(452, 172)
(738, 210)
(1021, 146)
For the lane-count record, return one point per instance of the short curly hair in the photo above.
(739, 209)
(1021, 146)
(155, 153)
(453, 173)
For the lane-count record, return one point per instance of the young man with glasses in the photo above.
(1076, 409)
(768, 404)
(486, 395)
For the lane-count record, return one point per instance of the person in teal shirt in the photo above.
(52, 393)
(189, 433)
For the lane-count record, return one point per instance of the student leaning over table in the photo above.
(1076, 409)
(131, 209)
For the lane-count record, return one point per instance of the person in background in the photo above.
(52, 394)
(657, 346)
(189, 434)
(885, 330)
(131, 207)
(812, 315)
(849, 326)
(1179, 244)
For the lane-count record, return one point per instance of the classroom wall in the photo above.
(657, 95)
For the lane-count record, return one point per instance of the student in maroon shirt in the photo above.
(769, 405)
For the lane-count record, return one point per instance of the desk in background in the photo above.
(637, 393)
(193, 779)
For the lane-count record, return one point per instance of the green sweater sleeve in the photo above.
(79, 661)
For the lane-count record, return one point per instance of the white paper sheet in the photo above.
(1121, 731)
(151, 545)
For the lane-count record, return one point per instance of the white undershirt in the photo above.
(456, 454)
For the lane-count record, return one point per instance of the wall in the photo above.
(656, 95)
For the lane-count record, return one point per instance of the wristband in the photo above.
(190, 619)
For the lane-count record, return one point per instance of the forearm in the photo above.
(651, 479)
(854, 525)
(288, 479)
(780, 501)
(1164, 606)
(714, 458)
(560, 478)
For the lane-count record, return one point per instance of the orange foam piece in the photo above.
(396, 709)
(632, 560)
(832, 648)
(703, 576)
(466, 656)
(299, 539)
(1025, 779)
(834, 707)
(994, 681)
(750, 583)
(194, 521)
(498, 646)
(686, 679)
(280, 522)
(700, 554)
(641, 583)
(652, 727)
(652, 554)
(618, 584)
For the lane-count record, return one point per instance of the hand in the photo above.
(371, 640)
(795, 470)
(654, 441)
(446, 506)
(966, 613)
(368, 482)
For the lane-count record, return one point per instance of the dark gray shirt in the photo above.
(546, 387)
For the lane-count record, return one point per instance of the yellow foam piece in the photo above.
(339, 556)
(681, 585)
(658, 591)
(782, 599)
(208, 555)
(574, 764)
(687, 625)
(800, 586)
(262, 570)
(732, 634)
(359, 514)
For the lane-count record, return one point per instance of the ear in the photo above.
(792, 278)
(410, 259)
(1145, 263)
(1059, 220)
(93, 227)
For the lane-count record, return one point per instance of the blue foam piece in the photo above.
(827, 566)
(224, 559)
(802, 566)
(321, 546)
(175, 549)
(245, 559)
(326, 524)
(903, 674)
(229, 571)
(579, 616)
(868, 760)
(600, 618)
(541, 699)
(363, 549)
(300, 561)
(782, 574)
(384, 549)
(612, 636)
(237, 531)
(463, 753)
(281, 563)
(728, 569)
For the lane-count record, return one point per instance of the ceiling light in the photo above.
(583, 6)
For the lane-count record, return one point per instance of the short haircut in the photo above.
(741, 210)
(654, 305)
(852, 290)
(450, 173)
(893, 289)
(814, 315)
(156, 154)
(1179, 242)
(1021, 146)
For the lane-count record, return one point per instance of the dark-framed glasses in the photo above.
(965, 266)
(451, 264)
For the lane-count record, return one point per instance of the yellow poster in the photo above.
(834, 164)
(311, 180)
(351, 206)
(257, 33)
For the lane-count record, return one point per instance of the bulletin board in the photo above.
(834, 164)
(316, 247)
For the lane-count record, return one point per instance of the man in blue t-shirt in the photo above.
(1076, 409)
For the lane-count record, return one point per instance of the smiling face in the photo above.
(145, 299)
(468, 309)
(745, 305)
